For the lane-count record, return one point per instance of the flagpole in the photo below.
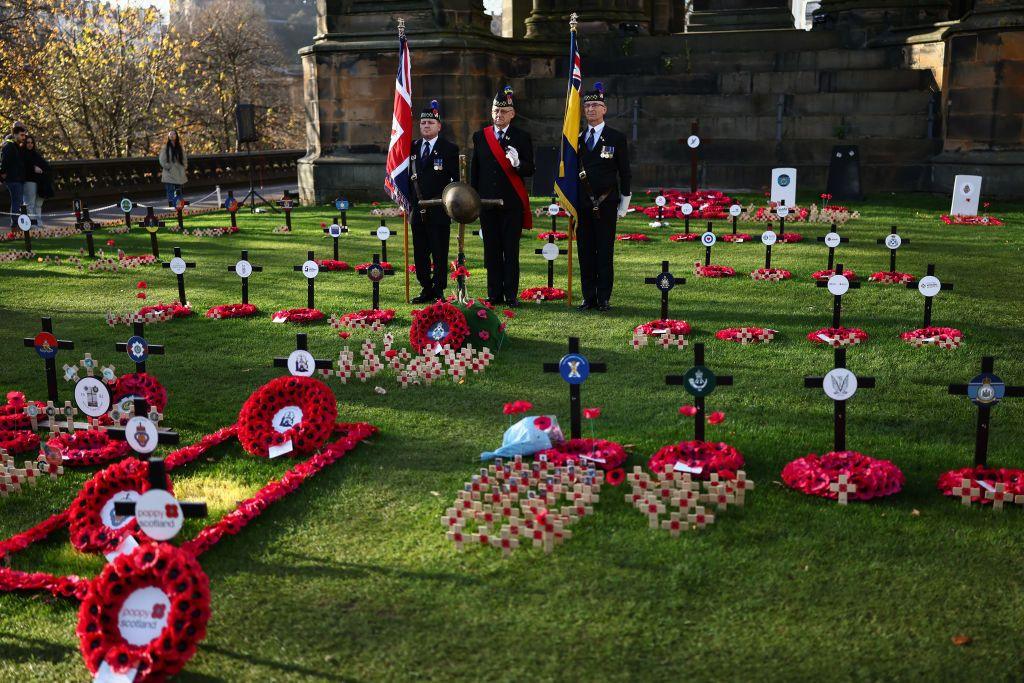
(572, 234)
(405, 231)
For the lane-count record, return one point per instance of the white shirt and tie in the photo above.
(593, 134)
(500, 133)
(425, 149)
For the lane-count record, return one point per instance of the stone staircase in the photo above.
(782, 99)
(738, 15)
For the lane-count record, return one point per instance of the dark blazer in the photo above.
(486, 175)
(607, 166)
(12, 162)
(431, 182)
(43, 180)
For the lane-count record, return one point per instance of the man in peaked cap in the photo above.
(436, 164)
(604, 158)
(502, 157)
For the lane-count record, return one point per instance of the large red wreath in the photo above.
(363, 267)
(813, 473)
(712, 270)
(90, 533)
(171, 310)
(970, 220)
(89, 447)
(678, 328)
(18, 441)
(838, 336)
(737, 238)
(297, 315)
(824, 275)
(330, 264)
(141, 385)
(710, 456)
(232, 311)
(12, 413)
(633, 237)
(366, 316)
(943, 337)
(684, 237)
(425, 319)
(746, 335)
(1012, 480)
(791, 237)
(256, 431)
(607, 455)
(557, 234)
(162, 566)
(892, 277)
(771, 274)
(539, 294)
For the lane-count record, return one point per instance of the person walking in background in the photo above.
(12, 167)
(174, 165)
(38, 179)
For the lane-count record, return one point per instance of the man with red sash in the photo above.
(502, 157)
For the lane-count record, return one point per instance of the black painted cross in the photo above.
(708, 239)
(382, 233)
(693, 142)
(375, 273)
(659, 201)
(179, 207)
(985, 390)
(178, 266)
(160, 515)
(838, 285)
(782, 211)
(243, 269)
(665, 281)
(137, 348)
(310, 269)
(575, 368)
(151, 224)
(929, 286)
(341, 206)
(334, 230)
(550, 252)
(839, 384)
(287, 203)
(768, 238)
(687, 209)
(47, 345)
(300, 362)
(833, 240)
(126, 205)
(25, 224)
(892, 241)
(699, 381)
(735, 210)
(86, 225)
(231, 204)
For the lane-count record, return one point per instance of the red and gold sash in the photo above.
(510, 173)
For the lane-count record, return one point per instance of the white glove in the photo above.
(623, 204)
(512, 154)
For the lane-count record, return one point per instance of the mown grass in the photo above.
(351, 578)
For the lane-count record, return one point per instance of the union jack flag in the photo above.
(396, 170)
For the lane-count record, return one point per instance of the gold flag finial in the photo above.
(401, 27)
(572, 21)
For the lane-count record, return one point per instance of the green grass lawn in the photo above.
(352, 578)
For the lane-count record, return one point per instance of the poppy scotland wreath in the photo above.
(771, 274)
(814, 473)
(92, 523)
(297, 315)
(539, 294)
(88, 447)
(675, 327)
(1011, 479)
(712, 270)
(330, 264)
(738, 238)
(943, 337)
(440, 324)
(746, 335)
(18, 441)
(173, 591)
(837, 336)
(140, 385)
(710, 456)
(232, 311)
(892, 277)
(607, 455)
(684, 237)
(297, 409)
(12, 413)
(824, 275)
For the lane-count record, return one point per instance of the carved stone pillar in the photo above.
(550, 18)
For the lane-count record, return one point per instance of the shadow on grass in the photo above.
(250, 659)
(307, 567)
(20, 648)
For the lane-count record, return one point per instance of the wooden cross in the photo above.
(675, 524)
(999, 495)
(839, 384)
(127, 214)
(575, 368)
(141, 409)
(151, 224)
(311, 273)
(699, 381)
(652, 507)
(231, 204)
(47, 346)
(51, 417)
(69, 413)
(26, 224)
(86, 225)
(505, 542)
(708, 239)
(178, 266)
(243, 269)
(303, 367)
(833, 240)
(665, 281)
(985, 390)
(156, 473)
(383, 242)
(699, 518)
(893, 242)
(768, 238)
(693, 158)
(842, 488)
(967, 491)
(551, 254)
(929, 286)
(839, 285)
(179, 206)
(375, 273)
(335, 231)
(287, 203)
(740, 485)
(137, 348)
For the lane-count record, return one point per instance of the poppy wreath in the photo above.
(298, 315)
(710, 456)
(330, 264)
(18, 441)
(1011, 479)
(539, 294)
(737, 238)
(319, 410)
(12, 413)
(89, 532)
(670, 326)
(684, 237)
(712, 270)
(363, 267)
(366, 316)
(559, 236)
(824, 275)
(633, 237)
(232, 311)
(838, 336)
(140, 385)
(89, 447)
(746, 335)
(892, 277)
(814, 473)
(171, 310)
(171, 570)
(943, 337)
(970, 220)
(607, 455)
(425, 320)
(791, 237)
(771, 274)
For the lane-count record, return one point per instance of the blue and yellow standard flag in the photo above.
(567, 180)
